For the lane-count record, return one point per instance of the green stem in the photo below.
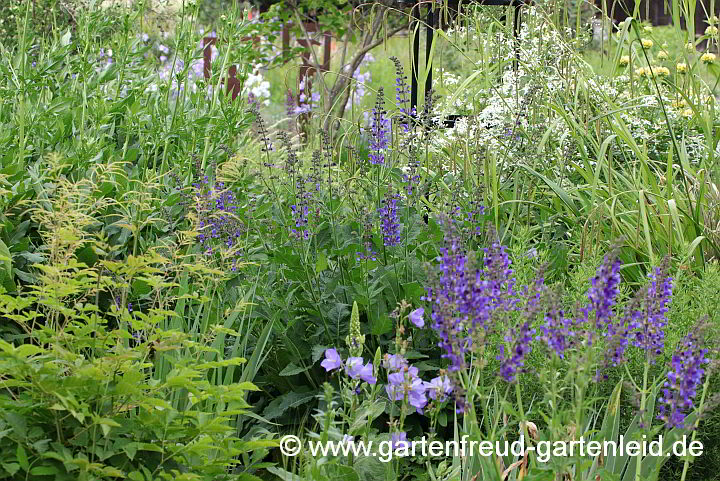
(686, 464)
(643, 395)
(523, 421)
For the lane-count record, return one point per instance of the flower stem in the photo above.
(686, 464)
(643, 395)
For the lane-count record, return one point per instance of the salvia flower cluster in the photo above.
(410, 175)
(602, 293)
(645, 318)
(687, 369)
(218, 225)
(514, 361)
(465, 299)
(649, 332)
(519, 339)
(389, 220)
(451, 299)
(556, 331)
(379, 131)
(468, 301)
(402, 92)
(369, 252)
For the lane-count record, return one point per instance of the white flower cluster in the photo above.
(543, 91)
(531, 67)
(257, 87)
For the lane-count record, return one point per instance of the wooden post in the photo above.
(326, 53)
(233, 84)
(286, 38)
(306, 69)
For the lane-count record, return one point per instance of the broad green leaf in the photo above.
(6, 270)
(21, 458)
(289, 400)
(321, 263)
(291, 369)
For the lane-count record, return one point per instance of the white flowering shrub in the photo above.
(529, 97)
(256, 87)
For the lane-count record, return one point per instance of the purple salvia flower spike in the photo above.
(379, 131)
(389, 219)
(683, 379)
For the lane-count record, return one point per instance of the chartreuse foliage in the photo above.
(93, 387)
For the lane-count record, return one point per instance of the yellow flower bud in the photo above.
(646, 43)
(624, 60)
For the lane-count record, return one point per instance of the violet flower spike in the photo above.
(619, 340)
(450, 306)
(402, 92)
(602, 294)
(379, 131)
(521, 347)
(650, 329)
(683, 379)
(556, 331)
(389, 218)
(498, 275)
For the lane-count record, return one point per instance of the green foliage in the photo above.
(70, 415)
(139, 317)
(42, 17)
(97, 391)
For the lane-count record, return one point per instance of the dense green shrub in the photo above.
(41, 17)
